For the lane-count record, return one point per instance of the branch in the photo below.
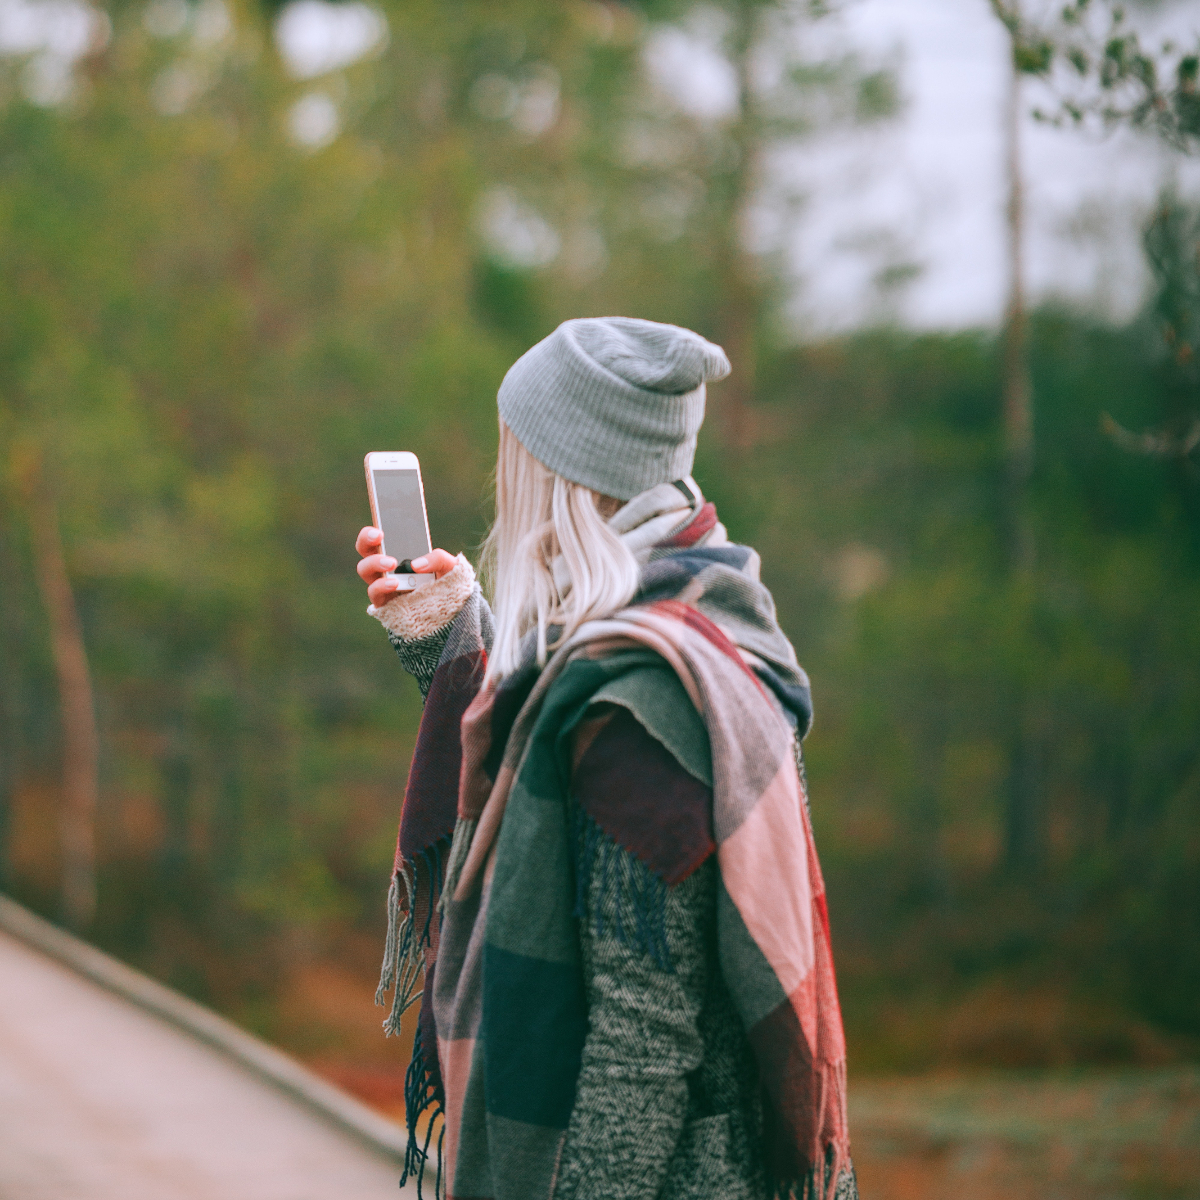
(1154, 444)
(1106, 74)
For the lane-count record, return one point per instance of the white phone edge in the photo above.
(404, 460)
(410, 583)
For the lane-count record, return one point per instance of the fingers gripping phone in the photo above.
(398, 512)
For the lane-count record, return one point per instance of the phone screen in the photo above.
(401, 513)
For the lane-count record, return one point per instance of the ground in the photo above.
(1065, 1134)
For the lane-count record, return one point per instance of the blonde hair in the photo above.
(549, 559)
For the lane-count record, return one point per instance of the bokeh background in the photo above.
(243, 244)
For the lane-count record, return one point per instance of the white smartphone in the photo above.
(398, 511)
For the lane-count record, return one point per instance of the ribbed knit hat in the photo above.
(613, 403)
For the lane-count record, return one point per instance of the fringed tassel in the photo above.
(402, 970)
(826, 1181)
(464, 832)
(403, 953)
(594, 849)
(403, 962)
(833, 1179)
(831, 1175)
(438, 1190)
(391, 946)
(420, 1097)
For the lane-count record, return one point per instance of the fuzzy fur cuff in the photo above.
(418, 614)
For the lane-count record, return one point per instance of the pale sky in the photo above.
(925, 190)
(931, 185)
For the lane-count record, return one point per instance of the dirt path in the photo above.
(1116, 1135)
(101, 1100)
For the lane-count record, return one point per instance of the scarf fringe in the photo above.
(420, 1097)
(404, 949)
(403, 967)
(832, 1179)
(596, 850)
(831, 1175)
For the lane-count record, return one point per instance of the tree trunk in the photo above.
(80, 740)
(8, 781)
(1024, 832)
(9, 704)
(1024, 818)
(736, 277)
(176, 787)
(1018, 395)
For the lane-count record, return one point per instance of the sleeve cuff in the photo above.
(423, 612)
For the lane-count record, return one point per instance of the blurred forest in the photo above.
(219, 288)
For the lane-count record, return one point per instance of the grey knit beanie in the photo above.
(613, 403)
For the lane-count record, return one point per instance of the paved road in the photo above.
(102, 1101)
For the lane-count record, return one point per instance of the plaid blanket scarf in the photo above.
(490, 917)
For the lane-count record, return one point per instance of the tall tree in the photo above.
(660, 179)
(81, 743)
(1017, 386)
(737, 278)
(10, 678)
(1024, 818)
(1105, 73)
(1024, 813)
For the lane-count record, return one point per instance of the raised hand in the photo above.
(374, 566)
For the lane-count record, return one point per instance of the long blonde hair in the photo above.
(550, 557)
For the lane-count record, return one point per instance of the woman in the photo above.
(605, 870)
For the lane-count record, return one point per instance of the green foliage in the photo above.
(873, 500)
(1172, 243)
(204, 327)
(1096, 61)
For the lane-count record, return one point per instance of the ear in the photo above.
(607, 506)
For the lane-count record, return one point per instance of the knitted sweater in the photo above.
(667, 1097)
